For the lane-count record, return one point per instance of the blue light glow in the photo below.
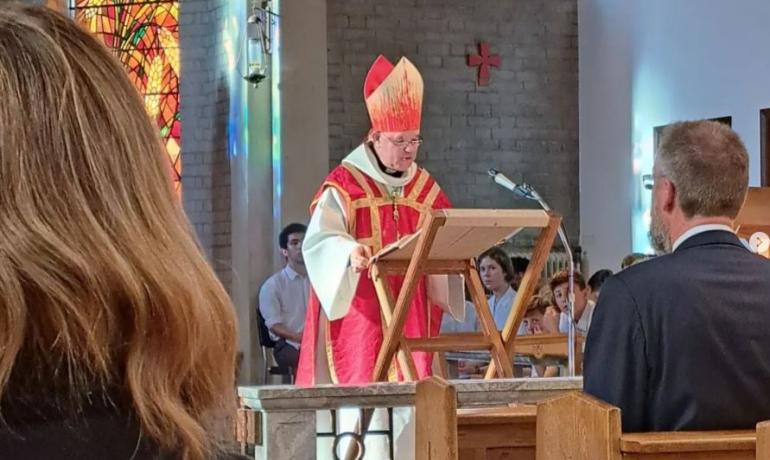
(275, 102)
(651, 108)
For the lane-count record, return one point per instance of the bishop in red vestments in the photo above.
(376, 196)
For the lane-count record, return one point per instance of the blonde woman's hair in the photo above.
(103, 287)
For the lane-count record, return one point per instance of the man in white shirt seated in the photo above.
(583, 309)
(283, 298)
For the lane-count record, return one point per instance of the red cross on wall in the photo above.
(483, 60)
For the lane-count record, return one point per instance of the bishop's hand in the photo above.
(359, 258)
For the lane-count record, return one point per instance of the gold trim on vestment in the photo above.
(427, 205)
(417, 189)
(376, 225)
(358, 176)
(375, 240)
(432, 195)
(330, 353)
(366, 241)
(345, 197)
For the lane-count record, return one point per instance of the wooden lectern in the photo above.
(754, 216)
(448, 242)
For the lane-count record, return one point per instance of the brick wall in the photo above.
(204, 110)
(525, 123)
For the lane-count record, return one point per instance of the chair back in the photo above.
(264, 333)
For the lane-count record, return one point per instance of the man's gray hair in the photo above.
(708, 164)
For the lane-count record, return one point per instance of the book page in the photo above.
(394, 246)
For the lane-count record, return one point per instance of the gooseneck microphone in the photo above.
(501, 180)
(525, 190)
(522, 190)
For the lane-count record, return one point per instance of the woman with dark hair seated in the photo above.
(496, 273)
(595, 283)
(117, 339)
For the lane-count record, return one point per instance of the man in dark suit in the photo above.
(682, 341)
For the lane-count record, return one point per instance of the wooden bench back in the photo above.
(579, 427)
(763, 440)
(446, 433)
(436, 420)
(574, 426)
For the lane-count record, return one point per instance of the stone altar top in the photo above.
(469, 393)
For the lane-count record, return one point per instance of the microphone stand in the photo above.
(525, 190)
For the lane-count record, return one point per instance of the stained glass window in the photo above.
(145, 37)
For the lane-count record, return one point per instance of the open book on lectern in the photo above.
(465, 233)
(401, 243)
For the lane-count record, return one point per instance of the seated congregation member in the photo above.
(496, 273)
(583, 308)
(533, 316)
(117, 338)
(632, 259)
(283, 298)
(595, 283)
(520, 265)
(534, 325)
(680, 342)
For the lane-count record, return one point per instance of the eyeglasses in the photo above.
(648, 180)
(416, 142)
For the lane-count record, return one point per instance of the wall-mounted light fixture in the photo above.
(259, 31)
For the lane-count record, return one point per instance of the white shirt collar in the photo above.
(507, 292)
(698, 229)
(363, 159)
(290, 272)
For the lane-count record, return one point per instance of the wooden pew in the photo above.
(579, 427)
(446, 433)
(497, 433)
(763, 440)
(574, 426)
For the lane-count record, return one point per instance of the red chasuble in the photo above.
(374, 219)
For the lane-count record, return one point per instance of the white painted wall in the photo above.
(288, 157)
(646, 64)
(604, 74)
(304, 106)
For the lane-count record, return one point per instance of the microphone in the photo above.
(521, 190)
(524, 190)
(501, 180)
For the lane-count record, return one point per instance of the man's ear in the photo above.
(285, 252)
(668, 195)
